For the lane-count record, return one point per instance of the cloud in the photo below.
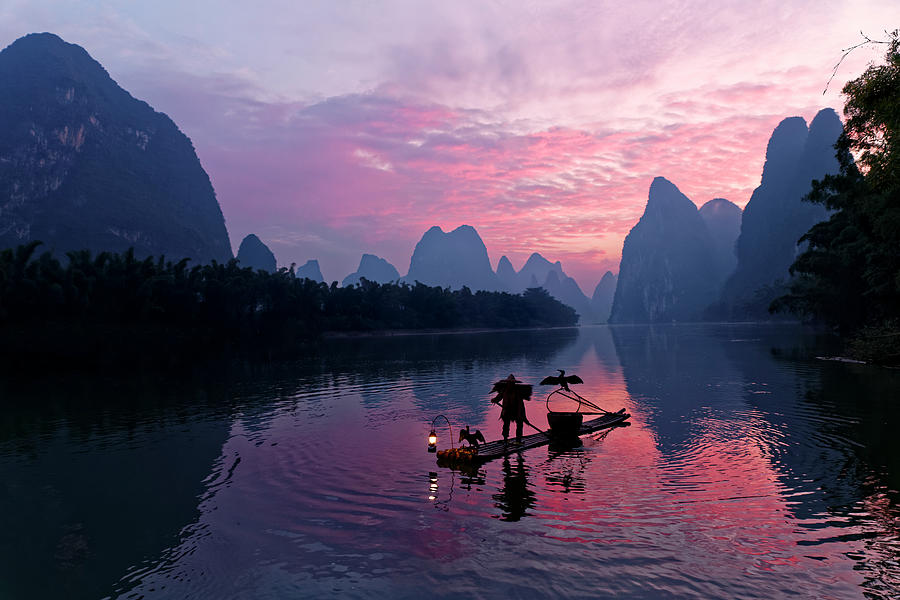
(369, 172)
(334, 132)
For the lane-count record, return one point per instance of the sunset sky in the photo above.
(332, 128)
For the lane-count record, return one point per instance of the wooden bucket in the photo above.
(564, 425)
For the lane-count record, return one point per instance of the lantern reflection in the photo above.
(433, 486)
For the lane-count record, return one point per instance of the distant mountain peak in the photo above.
(372, 268)
(84, 165)
(775, 217)
(824, 129)
(461, 230)
(540, 272)
(46, 41)
(602, 298)
(784, 148)
(720, 205)
(44, 36)
(536, 258)
(666, 262)
(310, 270)
(538, 267)
(665, 196)
(660, 183)
(827, 117)
(48, 55)
(606, 285)
(507, 274)
(454, 259)
(255, 254)
(723, 221)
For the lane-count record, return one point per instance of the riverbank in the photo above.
(877, 345)
(339, 335)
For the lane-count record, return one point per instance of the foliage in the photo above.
(879, 344)
(120, 301)
(849, 275)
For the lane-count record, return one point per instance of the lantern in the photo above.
(432, 436)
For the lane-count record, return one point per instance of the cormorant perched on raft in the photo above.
(562, 381)
(472, 438)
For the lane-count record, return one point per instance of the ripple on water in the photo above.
(743, 475)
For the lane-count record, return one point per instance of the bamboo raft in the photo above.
(498, 448)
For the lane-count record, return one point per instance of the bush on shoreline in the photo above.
(879, 344)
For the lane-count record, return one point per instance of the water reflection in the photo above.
(99, 476)
(750, 469)
(858, 474)
(566, 465)
(563, 471)
(516, 495)
(567, 475)
(471, 478)
(810, 427)
(433, 491)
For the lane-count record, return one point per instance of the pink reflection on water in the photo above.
(717, 504)
(338, 479)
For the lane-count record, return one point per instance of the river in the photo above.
(751, 469)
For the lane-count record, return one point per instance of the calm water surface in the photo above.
(751, 470)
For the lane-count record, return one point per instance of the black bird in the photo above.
(562, 381)
(472, 438)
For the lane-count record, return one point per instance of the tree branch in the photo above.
(847, 51)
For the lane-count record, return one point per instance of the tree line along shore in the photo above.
(109, 305)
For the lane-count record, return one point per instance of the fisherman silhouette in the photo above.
(511, 396)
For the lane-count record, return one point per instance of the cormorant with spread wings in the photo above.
(562, 380)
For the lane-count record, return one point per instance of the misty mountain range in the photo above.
(668, 270)
(775, 217)
(681, 264)
(83, 164)
(458, 259)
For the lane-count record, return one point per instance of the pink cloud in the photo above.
(569, 194)
(544, 134)
(331, 132)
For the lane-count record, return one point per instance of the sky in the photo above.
(331, 128)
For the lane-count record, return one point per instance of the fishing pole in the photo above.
(535, 428)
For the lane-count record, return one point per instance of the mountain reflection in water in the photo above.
(750, 470)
